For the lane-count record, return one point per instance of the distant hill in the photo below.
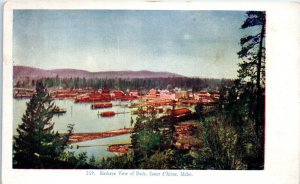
(21, 72)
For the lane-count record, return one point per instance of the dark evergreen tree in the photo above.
(252, 69)
(37, 145)
(250, 96)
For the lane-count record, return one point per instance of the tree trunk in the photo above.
(258, 93)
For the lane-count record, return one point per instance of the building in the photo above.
(152, 93)
(205, 97)
(181, 95)
(204, 94)
(133, 93)
(166, 94)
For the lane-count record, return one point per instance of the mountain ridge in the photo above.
(20, 72)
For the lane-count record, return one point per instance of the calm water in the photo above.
(85, 120)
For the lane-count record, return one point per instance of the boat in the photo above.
(101, 105)
(107, 113)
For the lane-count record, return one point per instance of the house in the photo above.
(133, 93)
(204, 94)
(166, 94)
(152, 93)
(190, 94)
(205, 97)
(181, 95)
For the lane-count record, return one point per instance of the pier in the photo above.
(80, 137)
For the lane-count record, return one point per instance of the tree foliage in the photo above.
(146, 137)
(253, 50)
(152, 140)
(123, 84)
(36, 144)
(124, 161)
(252, 69)
(222, 137)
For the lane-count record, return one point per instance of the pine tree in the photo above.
(253, 50)
(251, 96)
(37, 145)
(252, 69)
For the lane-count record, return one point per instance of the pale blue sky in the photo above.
(191, 43)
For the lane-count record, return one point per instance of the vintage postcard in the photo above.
(104, 91)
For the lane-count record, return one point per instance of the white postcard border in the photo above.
(282, 154)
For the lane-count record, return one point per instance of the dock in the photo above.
(80, 137)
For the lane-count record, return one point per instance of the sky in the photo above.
(189, 43)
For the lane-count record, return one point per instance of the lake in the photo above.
(85, 119)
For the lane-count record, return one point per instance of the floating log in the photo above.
(63, 96)
(107, 113)
(23, 96)
(118, 148)
(80, 137)
(101, 105)
(178, 112)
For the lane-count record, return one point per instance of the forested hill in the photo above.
(21, 72)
